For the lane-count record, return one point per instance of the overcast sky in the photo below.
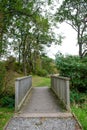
(69, 44)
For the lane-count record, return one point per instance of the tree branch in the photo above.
(72, 26)
(85, 52)
(83, 30)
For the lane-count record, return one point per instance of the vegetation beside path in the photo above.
(81, 114)
(75, 68)
(5, 115)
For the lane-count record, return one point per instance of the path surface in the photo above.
(42, 111)
(42, 100)
(42, 124)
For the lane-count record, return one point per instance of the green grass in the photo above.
(40, 81)
(5, 115)
(81, 113)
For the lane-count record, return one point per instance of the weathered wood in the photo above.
(22, 88)
(60, 85)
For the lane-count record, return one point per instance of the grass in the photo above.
(81, 113)
(5, 115)
(40, 81)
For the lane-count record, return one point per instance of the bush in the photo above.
(7, 101)
(2, 76)
(74, 68)
(9, 64)
(42, 72)
(76, 97)
(18, 67)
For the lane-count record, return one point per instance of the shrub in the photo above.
(2, 76)
(18, 67)
(9, 64)
(42, 72)
(76, 97)
(7, 101)
(74, 68)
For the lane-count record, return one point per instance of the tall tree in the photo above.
(75, 14)
(27, 25)
(8, 10)
(29, 34)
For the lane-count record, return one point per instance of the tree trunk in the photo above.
(79, 43)
(80, 49)
(24, 61)
(24, 65)
(19, 54)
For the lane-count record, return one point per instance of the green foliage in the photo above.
(74, 14)
(9, 64)
(81, 113)
(2, 76)
(42, 72)
(7, 101)
(5, 115)
(18, 67)
(76, 97)
(28, 26)
(74, 68)
(49, 65)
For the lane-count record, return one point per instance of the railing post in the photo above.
(16, 94)
(67, 95)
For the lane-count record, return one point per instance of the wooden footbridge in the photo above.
(42, 108)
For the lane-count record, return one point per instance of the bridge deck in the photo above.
(42, 100)
(50, 115)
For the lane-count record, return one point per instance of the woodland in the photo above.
(26, 29)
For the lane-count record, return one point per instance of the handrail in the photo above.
(23, 86)
(60, 85)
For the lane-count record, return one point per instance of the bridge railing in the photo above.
(60, 85)
(22, 88)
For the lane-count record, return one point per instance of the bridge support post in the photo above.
(67, 95)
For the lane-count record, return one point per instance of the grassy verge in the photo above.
(81, 113)
(5, 115)
(40, 81)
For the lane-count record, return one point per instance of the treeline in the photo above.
(10, 69)
(25, 30)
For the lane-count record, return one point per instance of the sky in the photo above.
(69, 44)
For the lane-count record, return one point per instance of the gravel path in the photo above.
(42, 124)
